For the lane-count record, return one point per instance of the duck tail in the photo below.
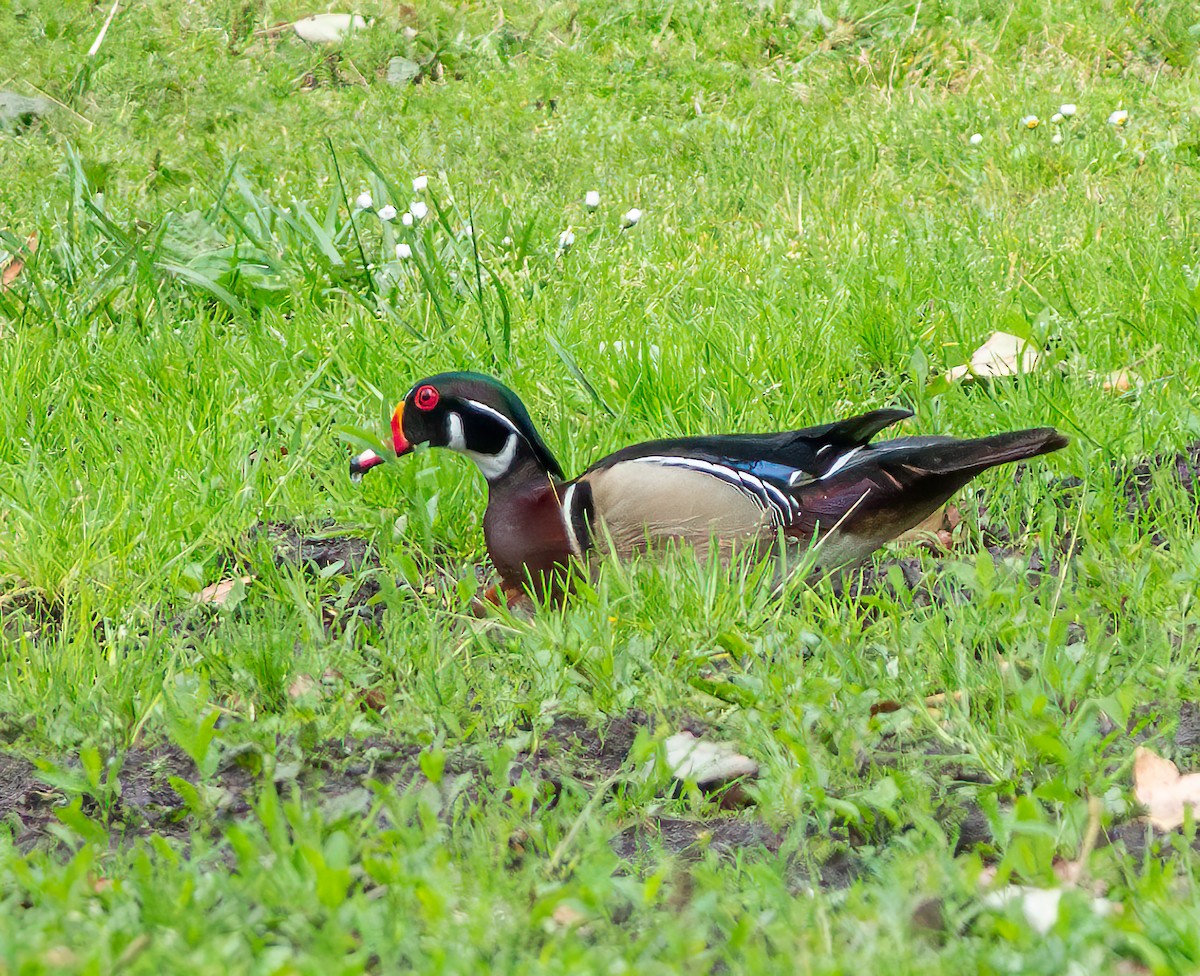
(947, 456)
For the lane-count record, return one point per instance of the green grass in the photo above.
(208, 325)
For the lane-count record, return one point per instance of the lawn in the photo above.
(330, 763)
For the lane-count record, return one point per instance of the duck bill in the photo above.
(399, 441)
(360, 464)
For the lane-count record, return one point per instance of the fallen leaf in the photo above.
(938, 527)
(1121, 381)
(11, 271)
(1162, 790)
(303, 684)
(328, 28)
(402, 71)
(705, 763)
(219, 594)
(566, 916)
(1003, 354)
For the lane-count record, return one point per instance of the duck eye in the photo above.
(426, 398)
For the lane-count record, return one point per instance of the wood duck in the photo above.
(823, 484)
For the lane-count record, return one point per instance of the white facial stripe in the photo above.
(495, 414)
(568, 522)
(494, 466)
(783, 508)
(840, 463)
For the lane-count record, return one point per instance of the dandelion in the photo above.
(418, 210)
(406, 219)
(1056, 118)
(631, 218)
(387, 212)
(403, 251)
(1030, 122)
(1119, 117)
(1056, 138)
(420, 183)
(566, 239)
(592, 199)
(363, 202)
(976, 139)
(1067, 109)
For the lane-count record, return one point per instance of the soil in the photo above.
(573, 752)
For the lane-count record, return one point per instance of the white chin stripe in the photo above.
(495, 466)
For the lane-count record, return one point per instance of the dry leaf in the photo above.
(328, 28)
(705, 763)
(1003, 354)
(218, 594)
(1121, 381)
(938, 527)
(566, 916)
(1159, 787)
(303, 684)
(11, 271)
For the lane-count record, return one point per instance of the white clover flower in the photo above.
(363, 202)
(592, 199)
(1056, 118)
(387, 212)
(631, 218)
(1030, 122)
(1067, 109)
(406, 219)
(566, 239)
(1056, 138)
(420, 183)
(403, 251)
(418, 210)
(976, 139)
(1119, 117)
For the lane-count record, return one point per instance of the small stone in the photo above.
(19, 111)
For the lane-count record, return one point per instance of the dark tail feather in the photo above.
(947, 456)
(856, 431)
(898, 483)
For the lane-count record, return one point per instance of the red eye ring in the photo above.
(426, 397)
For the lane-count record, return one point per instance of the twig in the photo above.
(103, 30)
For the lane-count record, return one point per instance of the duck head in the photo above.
(473, 414)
